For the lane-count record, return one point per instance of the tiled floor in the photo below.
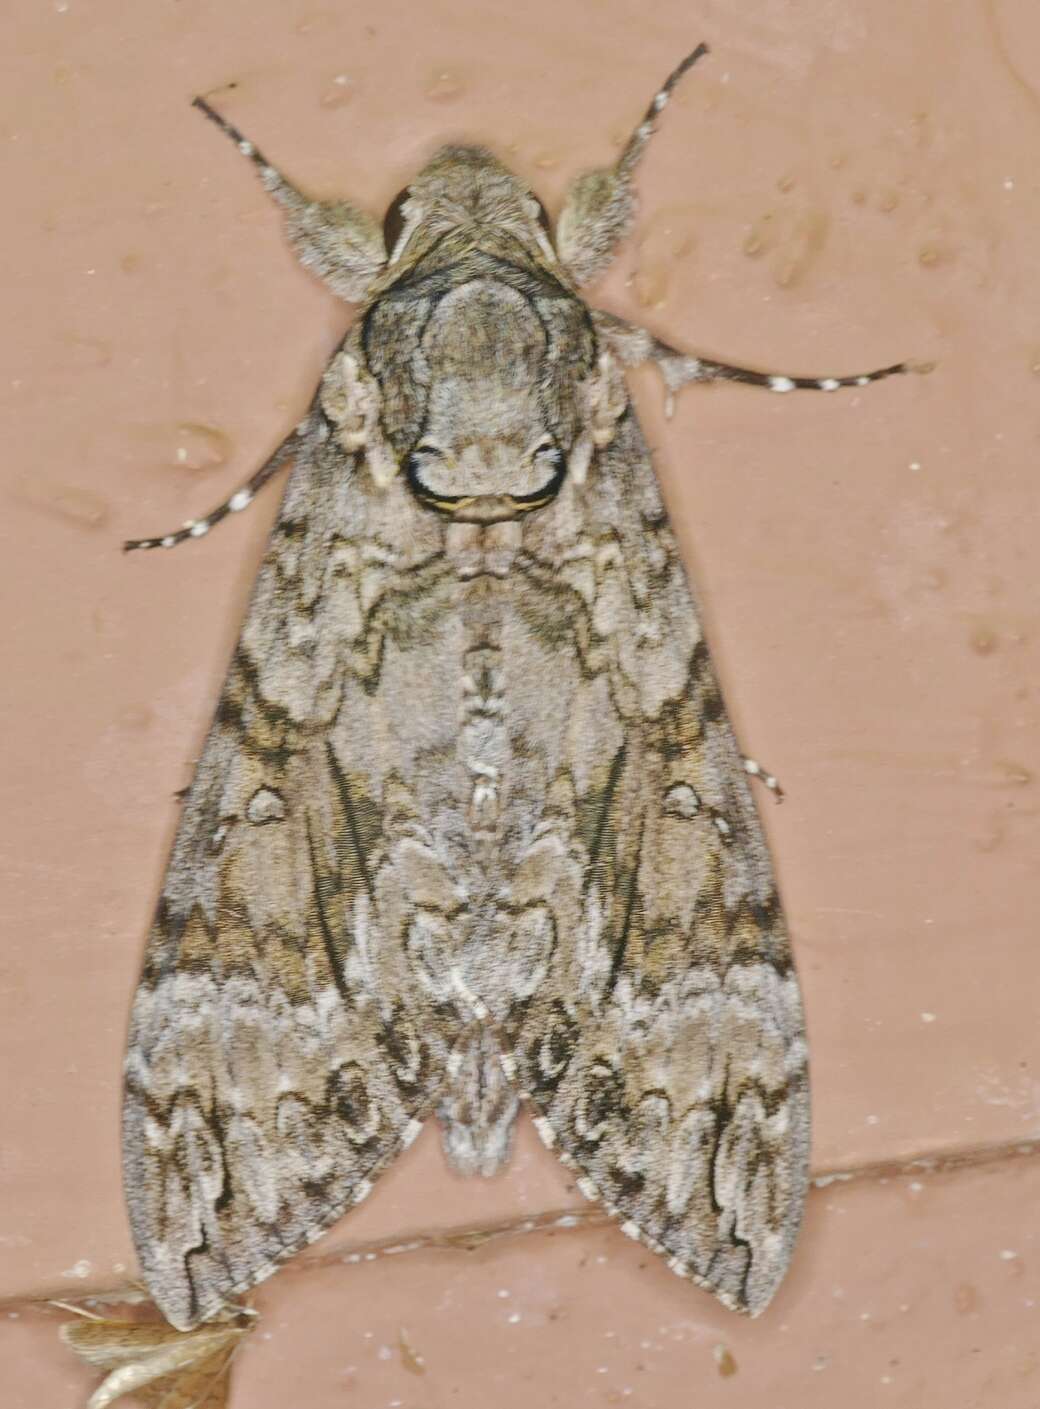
(842, 186)
(915, 1289)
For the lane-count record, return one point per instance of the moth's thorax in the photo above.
(486, 435)
(480, 361)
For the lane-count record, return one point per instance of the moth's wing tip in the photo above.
(753, 1306)
(178, 1307)
(747, 1302)
(184, 1324)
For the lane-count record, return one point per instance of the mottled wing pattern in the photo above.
(293, 1019)
(660, 1034)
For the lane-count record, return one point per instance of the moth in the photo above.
(470, 827)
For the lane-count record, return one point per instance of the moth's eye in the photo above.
(415, 459)
(543, 216)
(393, 222)
(424, 458)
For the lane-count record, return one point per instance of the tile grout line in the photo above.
(942, 1162)
(469, 1239)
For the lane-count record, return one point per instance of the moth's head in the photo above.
(467, 192)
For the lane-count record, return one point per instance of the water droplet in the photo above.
(667, 238)
(933, 253)
(444, 85)
(86, 353)
(803, 242)
(199, 447)
(651, 285)
(139, 716)
(311, 20)
(337, 92)
(923, 128)
(1010, 773)
(66, 501)
(759, 237)
(793, 237)
(984, 641)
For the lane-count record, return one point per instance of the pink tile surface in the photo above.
(579, 1318)
(842, 185)
(919, 1291)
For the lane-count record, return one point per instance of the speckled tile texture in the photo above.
(842, 185)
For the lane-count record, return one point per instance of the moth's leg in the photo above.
(243, 496)
(768, 780)
(341, 244)
(599, 205)
(634, 345)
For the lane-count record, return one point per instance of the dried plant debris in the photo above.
(160, 1367)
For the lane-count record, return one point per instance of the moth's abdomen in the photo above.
(479, 1106)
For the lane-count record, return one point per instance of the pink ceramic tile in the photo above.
(38, 1370)
(841, 186)
(920, 1290)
